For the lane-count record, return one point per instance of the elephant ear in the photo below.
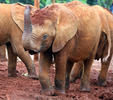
(66, 28)
(17, 13)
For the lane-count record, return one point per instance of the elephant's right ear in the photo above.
(17, 13)
(66, 28)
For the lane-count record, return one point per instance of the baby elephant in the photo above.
(69, 35)
(11, 27)
(107, 23)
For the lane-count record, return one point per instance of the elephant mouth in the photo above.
(32, 52)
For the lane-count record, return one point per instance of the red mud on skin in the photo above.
(40, 16)
(23, 88)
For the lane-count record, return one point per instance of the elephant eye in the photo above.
(45, 36)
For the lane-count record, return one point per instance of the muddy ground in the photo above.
(23, 88)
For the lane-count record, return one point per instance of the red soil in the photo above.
(23, 88)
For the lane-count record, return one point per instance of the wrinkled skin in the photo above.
(52, 34)
(3, 53)
(11, 36)
(102, 49)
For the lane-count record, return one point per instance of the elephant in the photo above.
(11, 29)
(68, 35)
(105, 16)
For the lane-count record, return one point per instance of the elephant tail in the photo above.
(109, 48)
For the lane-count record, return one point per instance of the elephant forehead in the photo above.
(39, 16)
(41, 29)
(37, 29)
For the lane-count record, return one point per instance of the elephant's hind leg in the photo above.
(105, 59)
(12, 61)
(25, 57)
(76, 71)
(68, 71)
(22, 54)
(85, 84)
(103, 72)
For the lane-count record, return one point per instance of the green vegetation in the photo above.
(43, 3)
(105, 3)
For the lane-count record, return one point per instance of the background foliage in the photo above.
(43, 3)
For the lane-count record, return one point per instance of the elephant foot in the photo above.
(32, 73)
(84, 88)
(48, 92)
(105, 59)
(59, 92)
(102, 82)
(12, 73)
(33, 76)
(73, 79)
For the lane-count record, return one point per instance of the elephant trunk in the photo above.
(27, 27)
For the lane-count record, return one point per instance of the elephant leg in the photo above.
(12, 61)
(2, 53)
(44, 66)
(60, 77)
(17, 45)
(68, 71)
(76, 71)
(103, 72)
(85, 85)
(105, 59)
(25, 57)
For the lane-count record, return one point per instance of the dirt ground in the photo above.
(23, 88)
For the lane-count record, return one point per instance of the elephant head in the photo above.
(52, 26)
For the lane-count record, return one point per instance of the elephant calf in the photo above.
(69, 35)
(11, 29)
(107, 23)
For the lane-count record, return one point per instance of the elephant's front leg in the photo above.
(12, 61)
(60, 78)
(85, 84)
(25, 57)
(17, 45)
(44, 66)
(103, 72)
(18, 48)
